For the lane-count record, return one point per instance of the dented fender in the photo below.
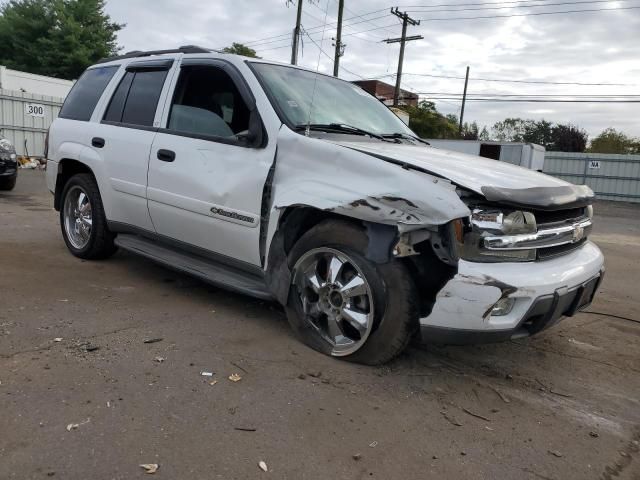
(327, 176)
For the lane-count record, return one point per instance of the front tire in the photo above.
(8, 183)
(345, 305)
(82, 219)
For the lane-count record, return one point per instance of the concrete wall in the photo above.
(35, 84)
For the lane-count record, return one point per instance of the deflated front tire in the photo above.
(345, 305)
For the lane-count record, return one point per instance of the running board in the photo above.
(209, 271)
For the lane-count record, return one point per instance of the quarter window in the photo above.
(207, 102)
(84, 95)
(116, 106)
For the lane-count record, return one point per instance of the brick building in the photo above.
(383, 91)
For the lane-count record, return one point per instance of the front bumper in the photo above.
(8, 168)
(543, 293)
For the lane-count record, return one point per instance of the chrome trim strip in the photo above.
(551, 237)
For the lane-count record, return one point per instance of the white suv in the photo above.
(286, 184)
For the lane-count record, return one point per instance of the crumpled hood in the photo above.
(468, 171)
(497, 181)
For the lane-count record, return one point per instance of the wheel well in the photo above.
(67, 168)
(427, 271)
(296, 221)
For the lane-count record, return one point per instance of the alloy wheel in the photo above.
(336, 298)
(77, 217)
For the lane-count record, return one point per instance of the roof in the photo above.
(198, 51)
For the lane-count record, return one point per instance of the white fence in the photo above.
(610, 176)
(25, 118)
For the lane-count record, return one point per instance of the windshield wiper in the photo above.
(340, 127)
(404, 135)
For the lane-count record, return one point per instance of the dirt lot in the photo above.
(563, 405)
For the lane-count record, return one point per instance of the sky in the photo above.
(589, 47)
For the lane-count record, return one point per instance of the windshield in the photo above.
(335, 101)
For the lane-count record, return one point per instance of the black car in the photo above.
(8, 165)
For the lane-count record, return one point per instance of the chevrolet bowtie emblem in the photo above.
(578, 233)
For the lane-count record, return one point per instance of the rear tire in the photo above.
(82, 219)
(381, 298)
(8, 183)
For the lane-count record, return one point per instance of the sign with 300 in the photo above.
(34, 109)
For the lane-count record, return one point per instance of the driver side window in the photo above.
(206, 102)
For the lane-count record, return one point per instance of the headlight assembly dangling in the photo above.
(467, 235)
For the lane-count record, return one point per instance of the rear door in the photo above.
(124, 137)
(207, 171)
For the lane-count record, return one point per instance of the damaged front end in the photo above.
(488, 263)
(518, 271)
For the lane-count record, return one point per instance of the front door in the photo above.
(206, 179)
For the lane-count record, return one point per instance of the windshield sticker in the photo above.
(292, 103)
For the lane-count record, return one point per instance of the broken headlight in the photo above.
(7, 152)
(467, 235)
(6, 146)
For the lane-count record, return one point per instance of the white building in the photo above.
(34, 84)
(28, 105)
(528, 155)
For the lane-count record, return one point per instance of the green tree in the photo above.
(484, 135)
(59, 38)
(240, 49)
(552, 136)
(540, 132)
(509, 130)
(568, 138)
(470, 131)
(613, 141)
(427, 122)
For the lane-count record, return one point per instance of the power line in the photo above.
(287, 40)
(530, 14)
(253, 44)
(319, 27)
(516, 6)
(534, 100)
(513, 15)
(363, 20)
(355, 15)
(329, 56)
(474, 4)
(286, 36)
(498, 95)
(503, 80)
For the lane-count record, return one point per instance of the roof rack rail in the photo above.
(139, 53)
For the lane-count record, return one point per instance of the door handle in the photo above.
(166, 155)
(97, 142)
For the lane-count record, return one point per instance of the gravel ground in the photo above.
(562, 405)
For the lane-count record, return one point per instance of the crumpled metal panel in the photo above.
(327, 176)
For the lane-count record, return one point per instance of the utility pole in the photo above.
(338, 39)
(406, 20)
(296, 35)
(464, 99)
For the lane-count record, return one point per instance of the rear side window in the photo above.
(84, 95)
(135, 100)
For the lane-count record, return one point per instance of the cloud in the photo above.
(595, 47)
